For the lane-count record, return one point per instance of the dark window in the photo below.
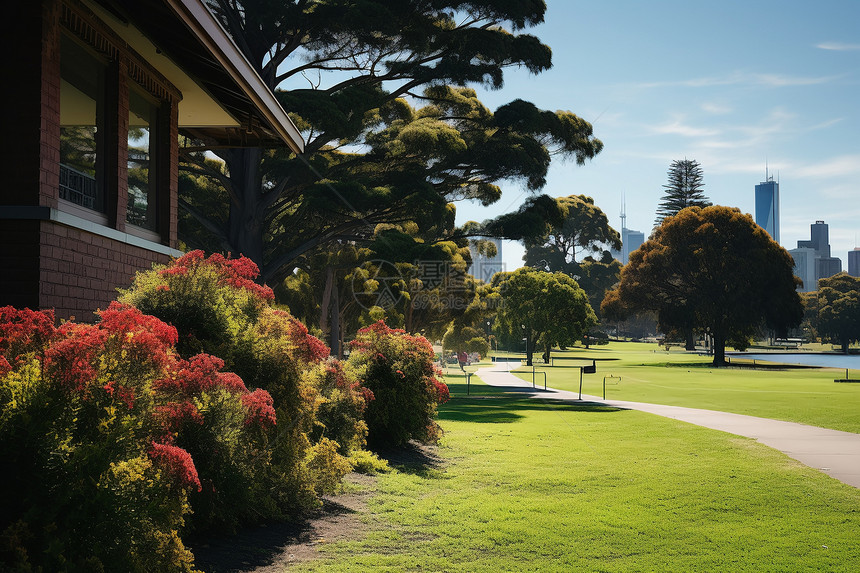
(82, 126)
(142, 121)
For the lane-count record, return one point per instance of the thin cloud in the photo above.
(842, 166)
(826, 124)
(742, 78)
(779, 80)
(716, 109)
(838, 46)
(676, 127)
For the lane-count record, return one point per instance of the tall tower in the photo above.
(816, 250)
(767, 206)
(630, 239)
(854, 262)
(625, 250)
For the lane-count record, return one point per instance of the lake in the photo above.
(851, 361)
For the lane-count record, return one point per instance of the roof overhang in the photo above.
(189, 35)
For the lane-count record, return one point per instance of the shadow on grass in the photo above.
(261, 546)
(413, 458)
(506, 404)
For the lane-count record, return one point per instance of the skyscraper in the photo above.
(854, 262)
(819, 235)
(804, 268)
(812, 260)
(630, 239)
(767, 206)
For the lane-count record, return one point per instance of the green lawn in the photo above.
(542, 486)
(650, 374)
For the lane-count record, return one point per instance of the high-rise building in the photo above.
(804, 268)
(827, 267)
(819, 233)
(630, 239)
(812, 260)
(767, 206)
(854, 262)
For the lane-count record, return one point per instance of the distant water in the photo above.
(851, 361)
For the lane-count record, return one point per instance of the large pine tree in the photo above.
(684, 189)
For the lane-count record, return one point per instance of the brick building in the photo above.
(101, 92)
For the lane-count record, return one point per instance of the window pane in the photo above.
(82, 102)
(141, 168)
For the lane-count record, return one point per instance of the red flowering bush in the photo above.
(23, 332)
(400, 371)
(106, 434)
(260, 408)
(77, 417)
(343, 400)
(219, 310)
(225, 430)
(177, 463)
(211, 301)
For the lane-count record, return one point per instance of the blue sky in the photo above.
(731, 84)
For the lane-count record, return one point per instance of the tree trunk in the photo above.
(247, 219)
(546, 353)
(690, 342)
(719, 351)
(325, 305)
(334, 338)
(845, 344)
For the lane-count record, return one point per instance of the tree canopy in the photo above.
(839, 308)
(683, 190)
(575, 243)
(713, 267)
(547, 308)
(377, 89)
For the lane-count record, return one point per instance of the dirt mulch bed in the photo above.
(274, 547)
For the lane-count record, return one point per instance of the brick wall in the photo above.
(80, 272)
(46, 264)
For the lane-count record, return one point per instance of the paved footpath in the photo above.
(833, 452)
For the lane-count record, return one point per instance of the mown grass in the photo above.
(541, 486)
(650, 374)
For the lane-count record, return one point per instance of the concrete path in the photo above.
(833, 452)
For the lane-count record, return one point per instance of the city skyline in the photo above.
(658, 85)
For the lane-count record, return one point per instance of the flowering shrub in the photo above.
(400, 371)
(343, 400)
(260, 408)
(21, 333)
(177, 463)
(116, 436)
(224, 429)
(77, 419)
(105, 436)
(280, 357)
(219, 310)
(211, 300)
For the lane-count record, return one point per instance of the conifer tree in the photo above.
(684, 189)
